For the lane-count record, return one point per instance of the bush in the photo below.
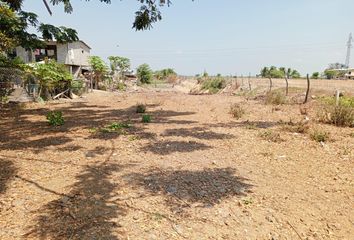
(146, 118)
(55, 118)
(115, 127)
(53, 77)
(121, 86)
(300, 127)
(271, 136)
(213, 85)
(275, 98)
(77, 87)
(341, 115)
(144, 73)
(319, 135)
(140, 108)
(236, 110)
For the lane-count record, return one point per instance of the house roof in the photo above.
(55, 42)
(85, 44)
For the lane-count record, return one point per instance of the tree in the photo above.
(264, 72)
(14, 22)
(167, 74)
(295, 74)
(330, 73)
(120, 64)
(99, 68)
(14, 25)
(336, 66)
(315, 75)
(148, 13)
(144, 73)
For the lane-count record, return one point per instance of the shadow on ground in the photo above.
(26, 128)
(7, 172)
(182, 188)
(83, 213)
(197, 132)
(245, 124)
(168, 147)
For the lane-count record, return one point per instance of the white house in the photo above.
(350, 73)
(74, 55)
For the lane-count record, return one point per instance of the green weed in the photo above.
(55, 118)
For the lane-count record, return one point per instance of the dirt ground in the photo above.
(194, 172)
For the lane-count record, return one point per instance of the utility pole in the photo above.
(349, 47)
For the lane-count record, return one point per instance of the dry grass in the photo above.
(271, 136)
(236, 110)
(319, 135)
(299, 127)
(275, 98)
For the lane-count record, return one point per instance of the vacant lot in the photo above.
(192, 173)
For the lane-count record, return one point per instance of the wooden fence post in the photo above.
(270, 84)
(337, 97)
(308, 88)
(249, 82)
(287, 85)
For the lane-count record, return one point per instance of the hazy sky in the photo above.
(220, 36)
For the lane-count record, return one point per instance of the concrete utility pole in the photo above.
(349, 45)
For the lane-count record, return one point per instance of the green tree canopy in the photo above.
(120, 64)
(315, 75)
(14, 24)
(144, 73)
(274, 72)
(99, 68)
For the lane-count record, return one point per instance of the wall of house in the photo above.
(76, 53)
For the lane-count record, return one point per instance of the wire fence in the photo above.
(316, 85)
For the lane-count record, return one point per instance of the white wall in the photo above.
(77, 54)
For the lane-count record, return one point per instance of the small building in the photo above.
(74, 55)
(350, 74)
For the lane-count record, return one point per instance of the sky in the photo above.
(218, 36)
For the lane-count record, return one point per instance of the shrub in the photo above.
(121, 86)
(115, 127)
(300, 127)
(213, 85)
(271, 136)
(140, 108)
(236, 110)
(319, 135)
(144, 73)
(55, 118)
(52, 77)
(339, 115)
(146, 118)
(77, 87)
(275, 98)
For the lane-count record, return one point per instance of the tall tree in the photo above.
(119, 64)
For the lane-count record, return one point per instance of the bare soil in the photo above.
(192, 173)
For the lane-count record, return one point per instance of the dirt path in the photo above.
(193, 173)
